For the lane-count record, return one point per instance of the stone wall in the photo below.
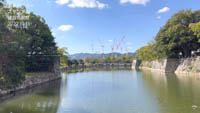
(154, 65)
(56, 66)
(165, 65)
(178, 66)
(32, 82)
(136, 64)
(36, 80)
(172, 65)
(189, 66)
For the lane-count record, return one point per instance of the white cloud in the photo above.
(82, 3)
(139, 2)
(163, 10)
(110, 40)
(158, 17)
(62, 2)
(65, 27)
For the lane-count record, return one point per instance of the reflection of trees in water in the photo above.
(190, 85)
(97, 69)
(45, 100)
(174, 93)
(63, 92)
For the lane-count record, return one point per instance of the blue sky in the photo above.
(80, 24)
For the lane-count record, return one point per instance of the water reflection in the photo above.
(116, 91)
(44, 100)
(175, 93)
(106, 92)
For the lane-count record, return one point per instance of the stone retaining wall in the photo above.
(184, 65)
(32, 82)
(154, 65)
(166, 65)
(36, 80)
(189, 66)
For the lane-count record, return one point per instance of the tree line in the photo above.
(66, 62)
(111, 59)
(176, 39)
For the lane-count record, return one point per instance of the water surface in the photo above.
(121, 91)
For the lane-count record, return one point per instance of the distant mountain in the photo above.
(90, 55)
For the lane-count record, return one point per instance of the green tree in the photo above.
(81, 62)
(86, 60)
(176, 36)
(20, 48)
(12, 53)
(63, 59)
(69, 63)
(146, 53)
(196, 29)
(75, 62)
(112, 59)
(42, 45)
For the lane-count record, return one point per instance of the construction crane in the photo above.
(122, 43)
(113, 47)
(117, 48)
(102, 47)
(119, 45)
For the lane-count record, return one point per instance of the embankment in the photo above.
(179, 66)
(189, 66)
(31, 82)
(36, 80)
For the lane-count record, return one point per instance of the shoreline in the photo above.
(187, 66)
(32, 82)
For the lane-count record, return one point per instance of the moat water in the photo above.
(111, 91)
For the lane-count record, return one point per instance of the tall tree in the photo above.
(42, 47)
(176, 36)
(12, 53)
(63, 59)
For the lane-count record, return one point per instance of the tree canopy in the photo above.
(179, 35)
(22, 45)
(196, 29)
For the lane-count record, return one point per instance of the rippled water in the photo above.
(121, 91)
